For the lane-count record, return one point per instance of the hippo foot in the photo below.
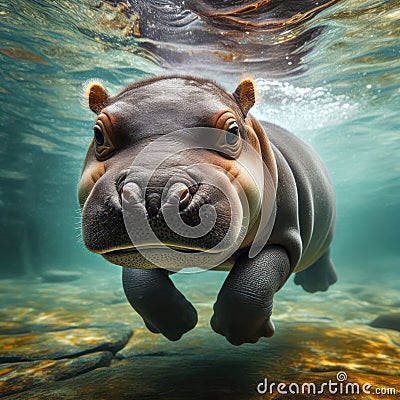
(173, 325)
(319, 276)
(163, 308)
(244, 304)
(240, 320)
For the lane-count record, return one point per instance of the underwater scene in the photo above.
(327, 71)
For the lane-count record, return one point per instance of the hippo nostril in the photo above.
(184, 199)
(126, 194)
(132, 193)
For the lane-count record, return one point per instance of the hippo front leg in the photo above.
(244, 305)
(162, 306)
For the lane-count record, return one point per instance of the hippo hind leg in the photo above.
(318, 276)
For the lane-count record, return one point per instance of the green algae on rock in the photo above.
(65, 343)
(17, 377)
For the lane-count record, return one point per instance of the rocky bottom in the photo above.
(80, 339)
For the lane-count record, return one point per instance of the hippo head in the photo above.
(176, 175)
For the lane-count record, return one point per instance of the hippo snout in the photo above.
(175, 210)
(178, 194)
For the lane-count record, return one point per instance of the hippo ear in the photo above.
(98, 97)
(245, 95)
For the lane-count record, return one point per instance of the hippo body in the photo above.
(119, 196)
(305, 220)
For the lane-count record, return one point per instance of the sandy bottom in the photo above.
(82, 340)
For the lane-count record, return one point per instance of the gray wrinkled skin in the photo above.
(305, 207)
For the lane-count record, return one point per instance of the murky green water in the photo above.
(337, 89)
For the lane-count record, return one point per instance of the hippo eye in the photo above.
(229, 134)
(98, 136)
(102, 134)
(233, 136)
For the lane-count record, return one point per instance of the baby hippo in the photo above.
(180, 176)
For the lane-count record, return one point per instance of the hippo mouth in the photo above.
(134, 250)
(173, 257)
